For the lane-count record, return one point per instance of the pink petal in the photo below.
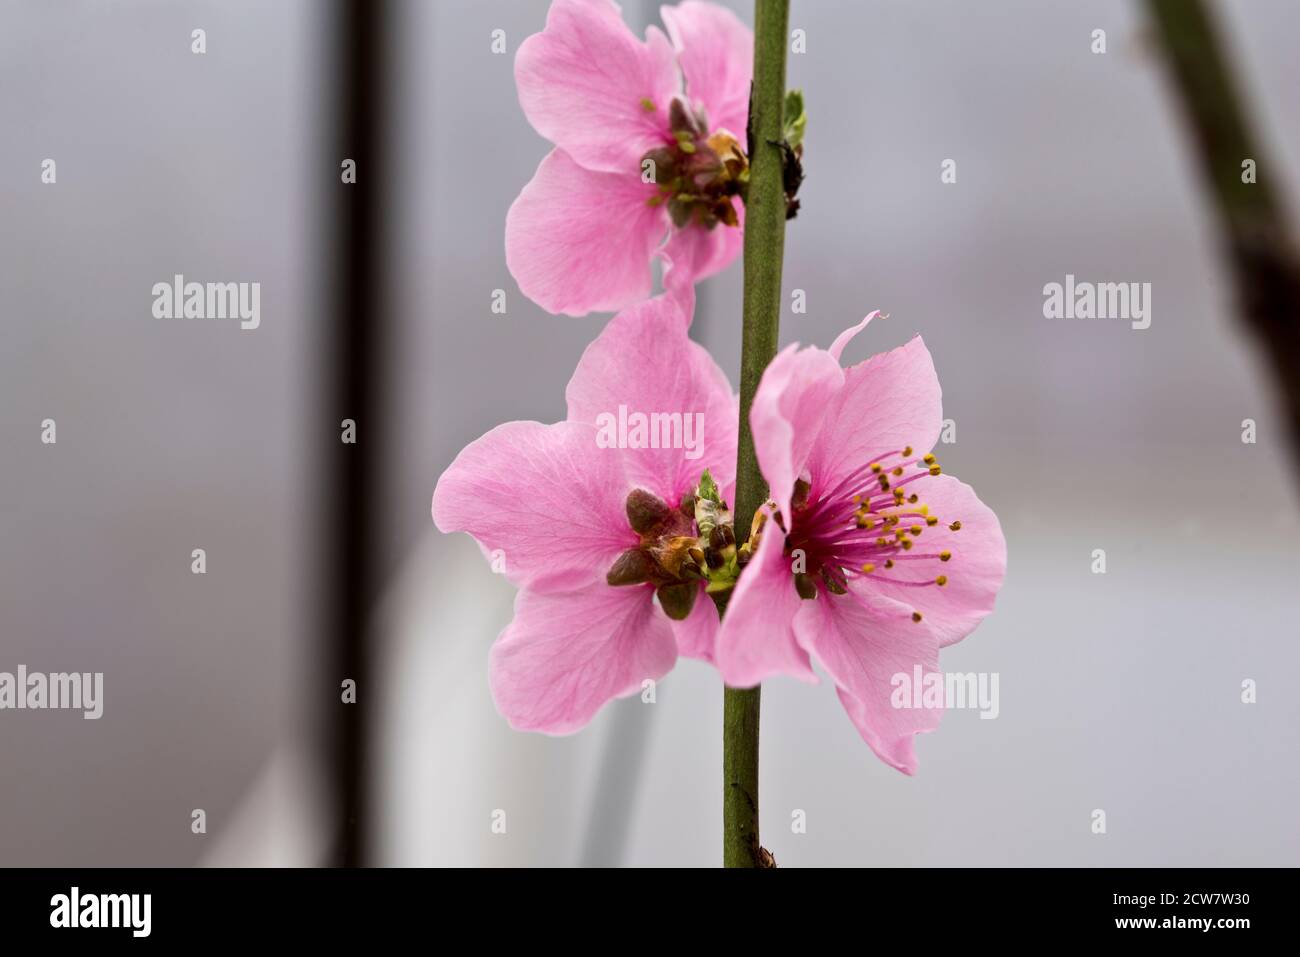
(694, 253)
(792, 398)
(848, 335)
(580, 242)
(888, 402)
(567, 653)
(716, 52)
(863, 641)
(545, 497)
(698, 253)
(644, 362)
(582, 82)
(893, 741)
(679, 284)
(757, 638)
(697, 634)
(974, 572)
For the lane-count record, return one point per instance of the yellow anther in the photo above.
(915, 529)
(882, 542)
(868, 568)
(899, 470)
(955, 526)
(907, 451)
(945, 555)
(906, 543)
(924, 509)
(875, 467)
(941, 580)
(932, 521)
(934, 470)
(929, 459)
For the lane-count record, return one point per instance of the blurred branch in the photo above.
(1254, 233)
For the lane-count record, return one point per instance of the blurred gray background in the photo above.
(1118, 691)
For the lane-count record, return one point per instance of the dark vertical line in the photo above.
(1253, 229)
(354, 321)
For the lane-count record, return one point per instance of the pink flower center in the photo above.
(697, 175)
(870, 526)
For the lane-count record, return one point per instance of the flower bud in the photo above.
(678, 600)
(645, 511)
(633, 567)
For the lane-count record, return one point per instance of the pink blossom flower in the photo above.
(593, 530)
(872, 560)
(635, 159)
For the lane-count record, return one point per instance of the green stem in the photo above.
(764, 249)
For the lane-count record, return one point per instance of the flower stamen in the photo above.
(828, 525)
(697, 174)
